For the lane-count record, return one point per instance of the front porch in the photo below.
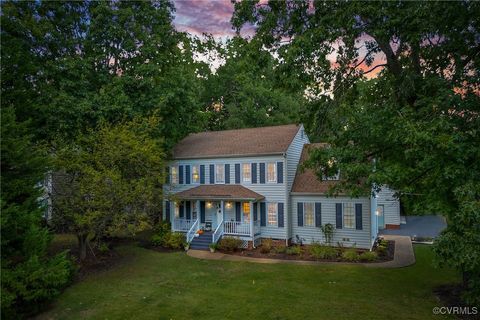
(224, 210)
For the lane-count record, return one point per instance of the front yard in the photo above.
(153, 285)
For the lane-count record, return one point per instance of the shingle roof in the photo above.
(220, 191)
(306, 181)
(240, 142)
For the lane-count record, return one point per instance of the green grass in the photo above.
(153, 285)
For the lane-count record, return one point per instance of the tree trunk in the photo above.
(82, 246)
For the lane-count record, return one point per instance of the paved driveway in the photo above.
(419, 226)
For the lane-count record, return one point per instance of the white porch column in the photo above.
(197, 207)
(222, 207)
(252, 234)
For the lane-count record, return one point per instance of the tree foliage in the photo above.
(415, 126)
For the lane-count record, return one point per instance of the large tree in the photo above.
(415, 125)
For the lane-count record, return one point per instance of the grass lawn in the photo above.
(153, 285)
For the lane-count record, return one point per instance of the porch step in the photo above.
(202, 241)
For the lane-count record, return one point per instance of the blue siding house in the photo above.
(247, 183)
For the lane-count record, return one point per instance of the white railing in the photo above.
(236, 227)
(192, 231)
(182, 224)
(218, 232)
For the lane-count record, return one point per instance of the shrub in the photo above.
(319, 251)
(229, 244)
(103, 247)
(267, 245)
(213, 246)
(280, 249)
(368, 256)
(174, 240)
(294, 250)
(350, 255)
(162, 231)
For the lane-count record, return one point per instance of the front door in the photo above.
(380, 217)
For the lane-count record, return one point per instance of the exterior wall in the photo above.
(273, 192)
(348, 237)
(391, 206)
(294, 153)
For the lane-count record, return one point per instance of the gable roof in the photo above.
(220, 191)
(239, 142)
(306, 181)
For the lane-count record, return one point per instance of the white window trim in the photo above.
(313, 212)
(242, 172)
(275, 171)
(215, 168)
(171, 174)
(343, 215)
(268, 224)
(191, 173)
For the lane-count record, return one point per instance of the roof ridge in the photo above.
(251, 128)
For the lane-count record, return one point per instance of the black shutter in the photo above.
(338, 215)
(189, 210)
(254, 173)
(167, 175)
(238, 212)
(180, 174)
(202, 174)
(167, 210)
(280, 215)
(180, 208)
(279, 172)
(318, 214)
(263, 214)
(255, 211)
(187, 174)
(227, 173)
(262, 172)
(358, 216)
(202, 211)
(212, 174)
(237, 173)
(300, 214)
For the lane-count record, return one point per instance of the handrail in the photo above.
(237, 227)
(218, 232)
(192, 231)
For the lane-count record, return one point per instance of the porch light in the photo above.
(228, 205)
(377, 212)
(209, 204)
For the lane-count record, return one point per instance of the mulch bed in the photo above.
(305, 255)
(451, 296)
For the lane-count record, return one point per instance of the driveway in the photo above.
(419, 226)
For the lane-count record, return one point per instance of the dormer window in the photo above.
(174, 175)
(219, 173)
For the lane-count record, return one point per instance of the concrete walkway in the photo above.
(403, 257)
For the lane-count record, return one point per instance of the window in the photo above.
(348, 215)
(177, 210)
(195, 174)
(302, 134)
(247, 173)
(219, 173)
(246, 211)
(194, 210)
(271, 172)
(272, 214)
(308, 214)
(174, 175)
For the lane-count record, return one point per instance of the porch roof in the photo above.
(220, 192)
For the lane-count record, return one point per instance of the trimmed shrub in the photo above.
(174, 240)
(368, 256)
(294, 250)
(267, 245)
(350, 255)
(319, 251)
(280, 249)
(162, 231)
(229, 244)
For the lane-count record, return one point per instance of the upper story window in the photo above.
(308, 214)
(271, 172)
(348, 215)
(174, 175)
(272, 214)
(219, 173)
(246, 172)
(195, 174)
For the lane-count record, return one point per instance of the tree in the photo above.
(415, 125)
(109, 181)
(29, 278)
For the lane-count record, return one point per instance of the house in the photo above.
(247, 183)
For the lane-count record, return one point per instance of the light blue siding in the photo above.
(391, 205)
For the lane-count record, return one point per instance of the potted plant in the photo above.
(187, 246)
(213, 247)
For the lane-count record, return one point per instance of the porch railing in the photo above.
(217, 234)
(237, 227)
(182, 224)
(193, 229)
